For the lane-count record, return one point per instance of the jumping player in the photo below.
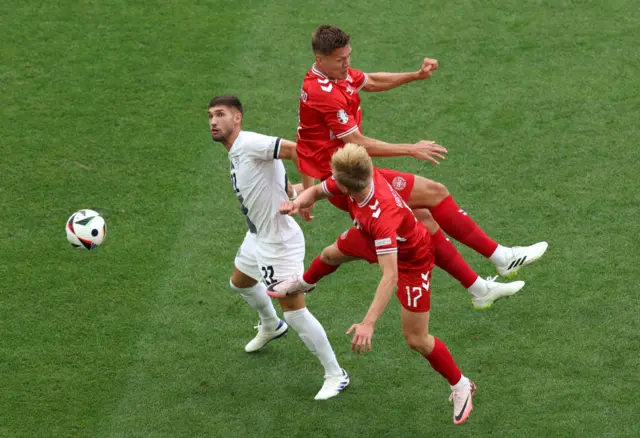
(387, 232)
(274, 246)
(330, 115)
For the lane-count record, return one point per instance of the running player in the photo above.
(386, 231)
(274, 246)
(330, 115)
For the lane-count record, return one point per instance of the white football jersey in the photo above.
(259, 181)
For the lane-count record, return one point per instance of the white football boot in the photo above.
(491, 291)
(333, 385)
(286, 287)
(265, 336)
(462, 399)
(521, 256)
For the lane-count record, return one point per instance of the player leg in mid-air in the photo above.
(331, 115)
(274, 246)
(387, 232)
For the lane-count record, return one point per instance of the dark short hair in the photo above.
(327, 38)
(226, 100)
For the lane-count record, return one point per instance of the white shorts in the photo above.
(271, 262)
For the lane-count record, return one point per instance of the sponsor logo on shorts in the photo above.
(344, 235)
(399, 183)
(342, 116)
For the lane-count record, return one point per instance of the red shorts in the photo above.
(400, 181)
(414, 290)
(414, 283)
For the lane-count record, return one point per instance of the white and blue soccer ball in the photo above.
(86, 229)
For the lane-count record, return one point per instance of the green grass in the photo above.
(103, 106)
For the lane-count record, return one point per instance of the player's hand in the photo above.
(305, 213)
(289, 207)
(428, 67)
(362, 334)
(429, 151)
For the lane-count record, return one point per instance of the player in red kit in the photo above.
(387, 232)
(331, 115)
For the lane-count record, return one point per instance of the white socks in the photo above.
(302, 321)
(500, 255)
(478, 288)
(256, 296)
(463, 381)
(315, 338)
(305, 284)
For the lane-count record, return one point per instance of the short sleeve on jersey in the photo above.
(384, 231)
(263, 147)
(330, 187)
(335, 114)
(359, 78)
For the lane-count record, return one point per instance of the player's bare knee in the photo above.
(427, 193)
(414, 342)
(420, 341)
(437, 192)
(331, 255)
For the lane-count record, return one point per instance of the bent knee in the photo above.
(420, 342)
(415, 341)
(427, 193)
(331, 255)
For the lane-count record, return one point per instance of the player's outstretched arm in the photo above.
(361, 341)
(422, 150)
(307, 181)
(388, 81)
(306, 199)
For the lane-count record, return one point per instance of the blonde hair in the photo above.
(352, 167)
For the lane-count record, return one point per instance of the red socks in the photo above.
(442, 361)
(455, 222)
(317, 271)
(449, 259)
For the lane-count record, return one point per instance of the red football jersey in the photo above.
(390, 223)
(329, 110)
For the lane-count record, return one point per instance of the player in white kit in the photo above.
(274, 247)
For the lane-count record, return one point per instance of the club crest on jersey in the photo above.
(399, 183)
(342, 116)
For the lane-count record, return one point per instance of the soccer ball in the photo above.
(86, 229)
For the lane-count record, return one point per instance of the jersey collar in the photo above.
(235, 141)
(317, 72)
(369, 196)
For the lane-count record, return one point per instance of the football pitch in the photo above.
(103, 106)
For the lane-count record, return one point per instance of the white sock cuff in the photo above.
(244, 289)
(499, 255)
(305, 284)
(295, 314)
(479, 283)
(463, 381)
